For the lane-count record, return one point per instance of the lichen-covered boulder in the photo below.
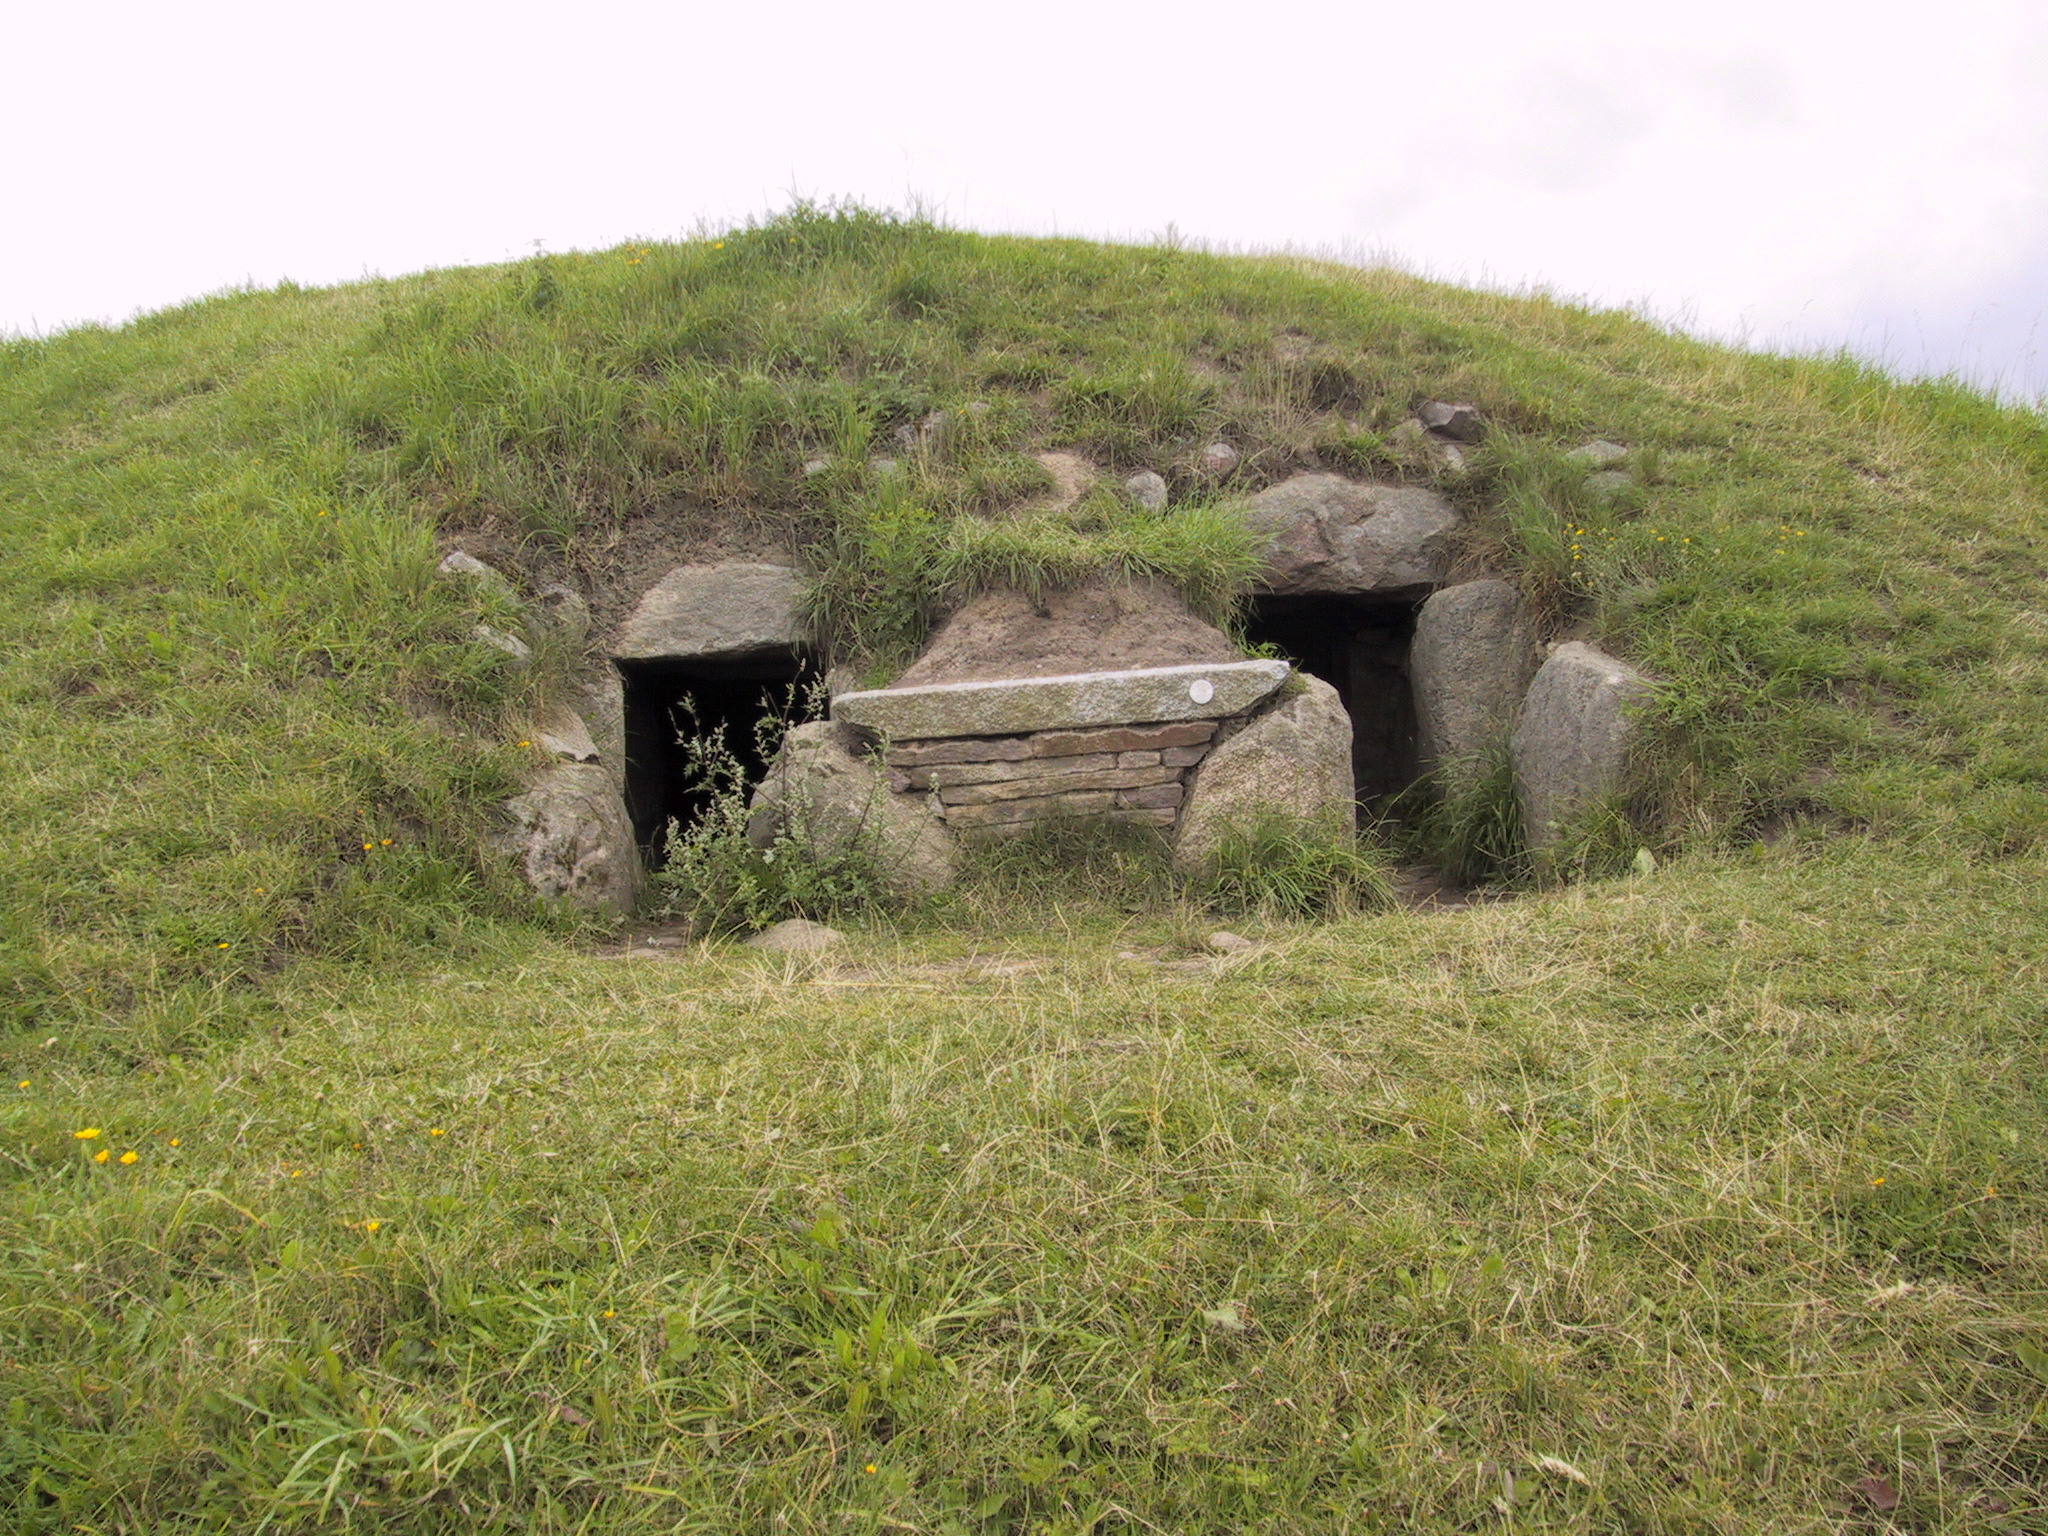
(1327, 534)
(1294, 759)
(1571, 742)
(574, 840)
(1472, 657)
(826, 795)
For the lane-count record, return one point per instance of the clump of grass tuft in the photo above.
(1467, 821)
(1284, 867)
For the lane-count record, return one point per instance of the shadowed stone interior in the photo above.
(669, 699)
(1358, 646)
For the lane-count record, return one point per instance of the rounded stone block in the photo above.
(1327, 534)
(1571, 742)
(1471, 660)
(1295, 760)
(716, 612)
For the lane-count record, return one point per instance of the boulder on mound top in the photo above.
(1327, 534)
(1294, 759)
(1098, 626)
(832, 800)
(1571, 743)
(722, 612)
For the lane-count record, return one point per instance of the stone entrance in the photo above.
(670, 702)
(1359, 646)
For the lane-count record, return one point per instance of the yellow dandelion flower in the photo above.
(102, 1155)
(383, 842)
(298, 1173)
(87, 1134)
(222, 945)
(22, 1084)
(610, 1312)
(177, 1141)
(526, 743)
(871, 1469)
(436, 1131)
(129, 1158)
(367, 847)
(1875, 1182)
(372, 1226)
(718, 245)
(261, 892)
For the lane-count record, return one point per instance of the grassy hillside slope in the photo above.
(1704, 1201)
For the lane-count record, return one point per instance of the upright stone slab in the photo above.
(1327, 534)
(1473, 654)
(573, 839)
(1571, 743)
(1295, 759)
(821, 792)
(716, 613)
(1022, 705)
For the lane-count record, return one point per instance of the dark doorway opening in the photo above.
(670, 702)
(1360, 648)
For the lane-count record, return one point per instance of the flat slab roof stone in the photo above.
(715, 612)
(1053, 703)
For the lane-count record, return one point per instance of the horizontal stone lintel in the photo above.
(1181, 735)
(1016, 706)
(1065, 784)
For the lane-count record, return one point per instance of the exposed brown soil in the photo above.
(1100, 626)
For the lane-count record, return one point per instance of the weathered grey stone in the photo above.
(1077, 699)
(1325, 533)
(1472, 657)
(1459, 422)
(723, 612)
(796, 936)
(814, 467)
(1295, 759)
(462, 565)
(603, 696)
(498, 640)
(884, 466)
(1417, 446)
(1147, 489)
(833, 800)
(565, 611)
(574, 839)
(1598, 454)
(563, 733)
(1571, 742)
(1606, 484)
(1218, 459)
(1226, 943)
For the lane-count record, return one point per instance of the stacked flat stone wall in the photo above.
(986, 784)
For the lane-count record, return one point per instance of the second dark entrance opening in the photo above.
(670, 701)
(1359, 648)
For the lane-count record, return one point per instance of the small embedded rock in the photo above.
(462, 564)
(1147, 489)
(1598, 454)
(1459, 422)
(1418, 445)
(1227, 943)
(1219, 459)
(883, 466)
(498, 640)
(815, 467)
(797, 936)
(1609, 483)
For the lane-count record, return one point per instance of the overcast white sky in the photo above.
(1790, 173)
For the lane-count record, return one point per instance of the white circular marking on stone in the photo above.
(1201, 690)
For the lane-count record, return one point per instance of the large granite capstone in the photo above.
(716, 612)
(1326, 534)
(1050, 703)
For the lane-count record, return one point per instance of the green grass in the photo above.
(1718, 1186)
(1723, 1188)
